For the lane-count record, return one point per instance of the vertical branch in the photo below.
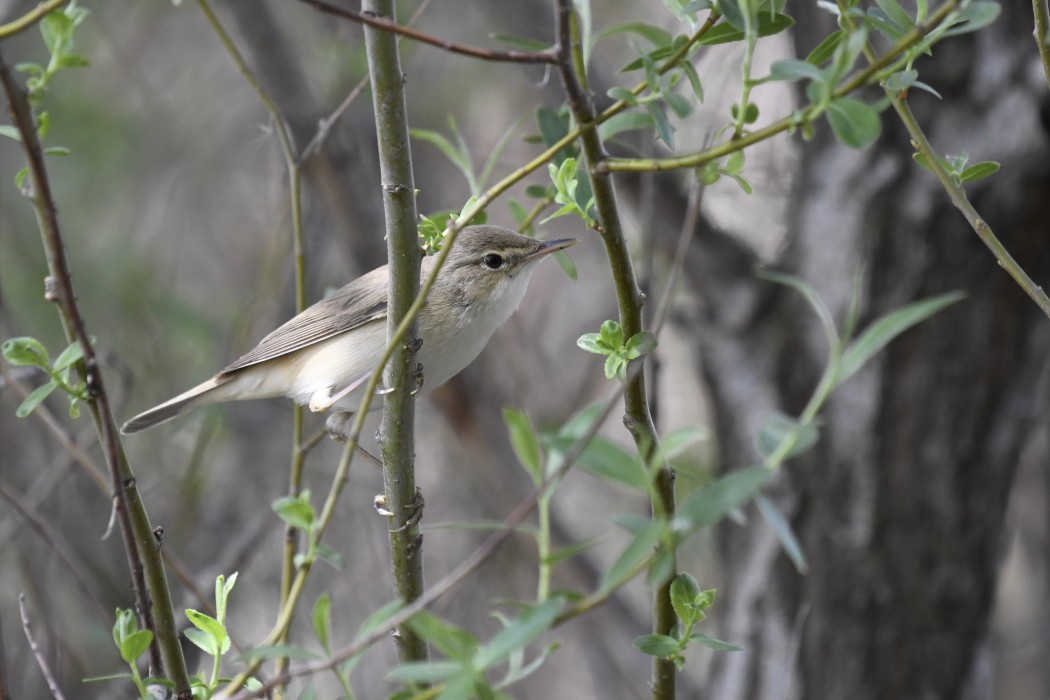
(397, 431)
(1042, 34)
(142, 549)
(638, 418)
(293, 165)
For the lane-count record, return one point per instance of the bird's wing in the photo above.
(360, 302)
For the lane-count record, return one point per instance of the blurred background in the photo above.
(922, 512)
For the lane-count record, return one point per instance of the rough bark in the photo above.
(900, 507)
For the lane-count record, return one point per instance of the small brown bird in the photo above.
(325, 355)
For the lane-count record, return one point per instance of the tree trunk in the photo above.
(900, 506)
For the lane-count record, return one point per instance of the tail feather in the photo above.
(200, 395)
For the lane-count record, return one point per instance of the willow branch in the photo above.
(873, 73)
(638, 417)
(962, 203)
(30, 18)
(45, 668)
(378, 21)
(292, 164)
(1042, 39)
(397, 432)
(143, 552)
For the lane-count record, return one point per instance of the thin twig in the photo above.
(377, 22)
(45, 669)
(30, 18)
(150, 586)
(1042, 40)
(862, 78)
(962, 203)
(43, 531)
(325, 125)
(292, 163)
(638, 417)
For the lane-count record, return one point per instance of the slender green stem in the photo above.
(543, 545)
(638, 417)
(398, 426)
(295, 476)
(962, 203)
(957, 194)
(30, 18)
(1042, 39)
(750, 41)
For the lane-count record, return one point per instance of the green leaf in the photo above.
(204, 641)
(855, 123)
(35, 398)
(322, 621)
(70, 356)
(796, 70)
(882, 331)
(523, 43)
(591, 342)
(733, 13)
(713, 502)
(223, 587)
(767, 26)
(425, 672)
(10, 132)
(675, 443)
(25, 351)
(553, 128)
(896, 13)
(57, 151)
(526, 445)
(684, 593)
(135, 645)
(777, 427)
(902, 80)
(782, 529)
(657, 36)
(331, 556)
(211, 627)
(625, 121)
(974, 16)
(452, 641)
(569, 551)
(657, 645)
(641, 343)
(825, 49)
(457, 156)
(694, 80)
(566, 264)
(716, 644)
(811, 296)
(979, 170)
(519, 633)
(296, 511)
(638, 550)
(380, 616)
(664, 129)
(606, 459)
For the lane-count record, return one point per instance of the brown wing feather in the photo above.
(358, 303)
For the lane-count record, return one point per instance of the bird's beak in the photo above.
(548, 247)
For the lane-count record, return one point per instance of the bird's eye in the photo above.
(493, 261)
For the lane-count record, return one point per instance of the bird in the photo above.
(324, 356)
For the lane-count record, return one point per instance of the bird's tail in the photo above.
(200, 395)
